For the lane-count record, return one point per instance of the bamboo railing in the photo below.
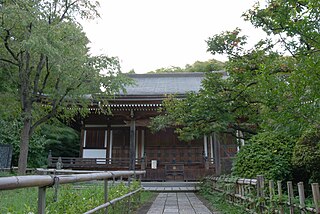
(259, 196)
(45, 181)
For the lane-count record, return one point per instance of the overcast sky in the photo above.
(150, 34)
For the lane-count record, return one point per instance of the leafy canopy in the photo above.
(272, 91)
(44, 53)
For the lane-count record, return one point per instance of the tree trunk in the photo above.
(24, 146)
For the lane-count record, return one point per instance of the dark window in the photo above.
(95, 138)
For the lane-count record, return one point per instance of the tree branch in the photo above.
(67, 6)
(6, 44)
(40, 66)
(250, 131)
(55, 105)
(44, 83)
(9, 61)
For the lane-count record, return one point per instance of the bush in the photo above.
(268, 154)
(306, 156)
(10, 134)
(71, 198)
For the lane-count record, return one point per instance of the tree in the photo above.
(272, 88)
(45, 53)
(268, 154)
(198, 66)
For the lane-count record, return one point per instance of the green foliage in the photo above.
(70, 199)
(218, 200)
(267, 95)
(62, 140)
(206, 66)
(228, 42)
(198, 66)
(306, 156)
(268, 154)
(46, 59)
(10, 134)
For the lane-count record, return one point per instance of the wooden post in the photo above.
(271, 194)
(49, 158)
(211, 149)
(139, 197)
(217, 158)
(206, 163)
(260, 192)
(106, 194)
(132, 155)
(205, 146)
(302, 197)
(41, 200)
(316, 196)
(129, 198)
(290, 197)
(280, 197)
(143, 163)
(110, 146)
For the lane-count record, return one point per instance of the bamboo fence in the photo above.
(45, 181)
(261, 196)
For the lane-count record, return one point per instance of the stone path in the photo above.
(181, 202)
(170, 186)
(171, 189)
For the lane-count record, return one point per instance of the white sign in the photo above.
(153, 164)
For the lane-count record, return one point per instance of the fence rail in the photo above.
(260, 196)
(45, 181)
(90, 162)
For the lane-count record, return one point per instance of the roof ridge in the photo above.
(175, 74)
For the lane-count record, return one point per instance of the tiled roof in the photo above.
(164, 83)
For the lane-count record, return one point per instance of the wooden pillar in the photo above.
(83, 143)
(110, 146)
(137, 145)
(142, 143)
(84, 138)
(105, 139)
(205, 152)
(211, 149)
(217, 157)
(205, 146)
(240, 140)
(132, 152)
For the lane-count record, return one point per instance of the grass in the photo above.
(6, 174)
(71, 199)
(146, 196)
(217, 200)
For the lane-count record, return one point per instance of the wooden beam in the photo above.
(110, 146)
(132, 152)
(217, 156)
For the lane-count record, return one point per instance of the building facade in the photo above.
(123, 139)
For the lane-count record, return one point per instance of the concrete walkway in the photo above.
(181, 202)
(170, 186)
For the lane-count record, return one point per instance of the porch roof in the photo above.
(164, 84)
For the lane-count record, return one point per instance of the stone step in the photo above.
(170, 184)
(171, 189)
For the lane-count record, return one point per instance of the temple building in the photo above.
(123, 140)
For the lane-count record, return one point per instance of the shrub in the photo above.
(306, 156)
(268, 154)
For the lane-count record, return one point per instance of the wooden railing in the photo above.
(259, 196)
(109, 163)
(45, 181)
(69, 162)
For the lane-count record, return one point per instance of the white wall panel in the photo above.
(95, 153)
